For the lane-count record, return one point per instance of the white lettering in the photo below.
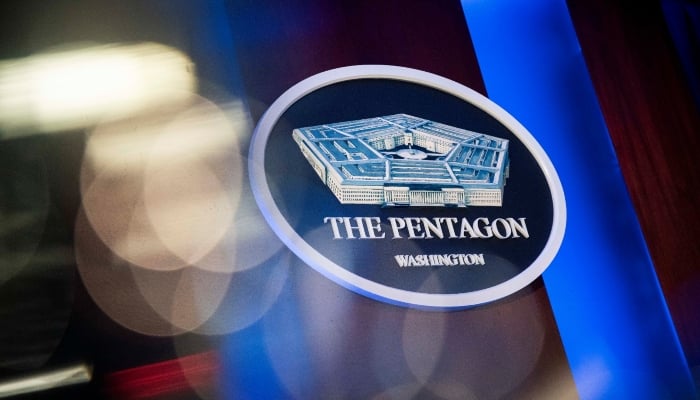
(396, 225)
(428, 228)
(438, 260)
(484, 224)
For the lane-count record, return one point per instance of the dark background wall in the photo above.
(647, 101)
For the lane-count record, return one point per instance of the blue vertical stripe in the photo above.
(611, 313)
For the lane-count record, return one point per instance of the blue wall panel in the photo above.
(608, 305)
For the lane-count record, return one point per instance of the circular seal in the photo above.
(407, 187)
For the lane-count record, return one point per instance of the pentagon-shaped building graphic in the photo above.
(402, 160)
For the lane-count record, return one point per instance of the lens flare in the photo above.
(110, 282)
(162, 190)
(193, 181)
(185, 298)
(250, 295)
(76, 88)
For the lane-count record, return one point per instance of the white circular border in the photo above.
(367, 287)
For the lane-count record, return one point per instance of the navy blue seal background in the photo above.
(304, 200)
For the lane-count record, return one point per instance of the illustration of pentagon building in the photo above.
(402, 160)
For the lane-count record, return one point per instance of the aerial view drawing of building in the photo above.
(402, 160)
